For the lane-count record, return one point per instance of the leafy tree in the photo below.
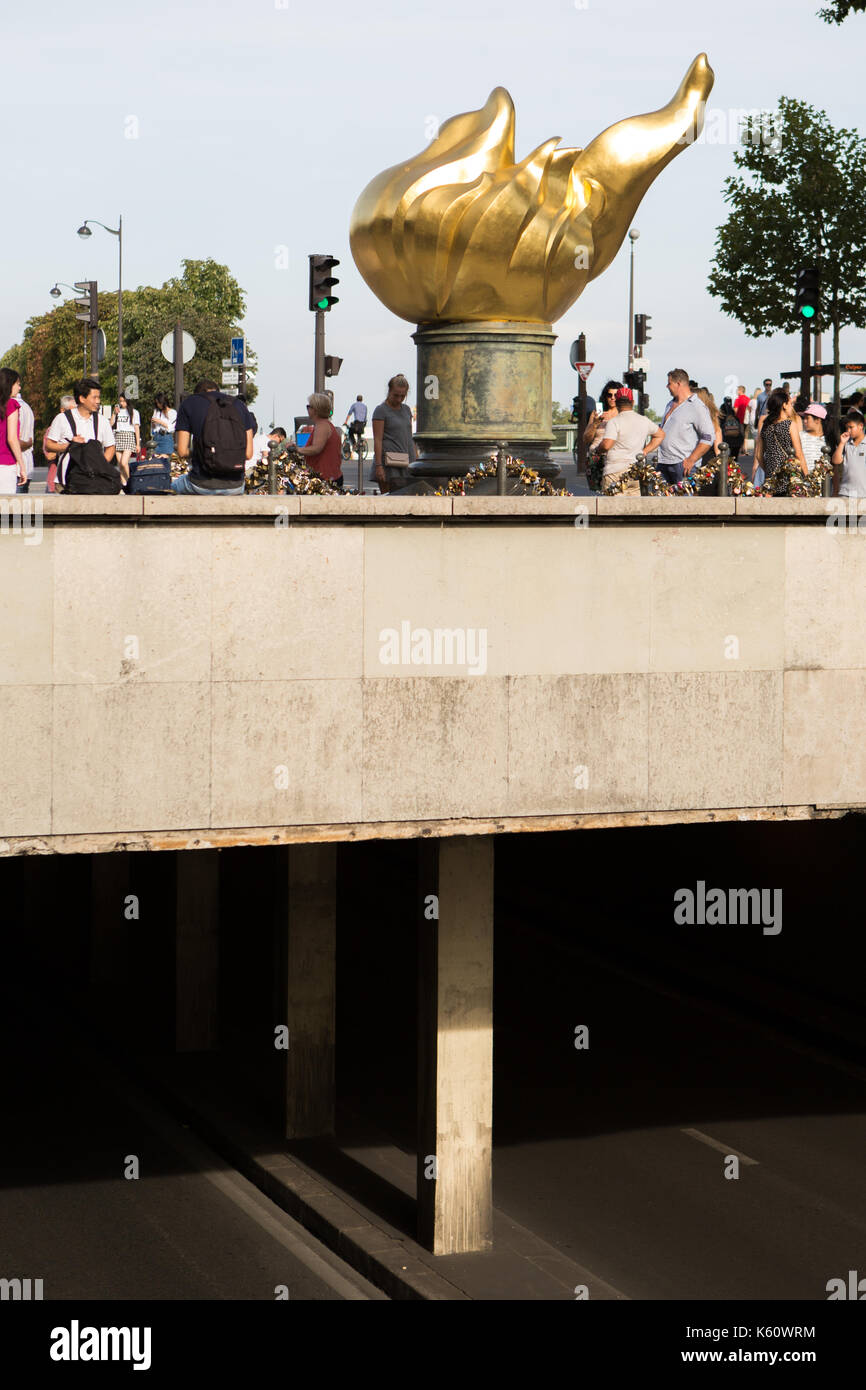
(205, 299)
(801, 205)
(561, 416)
(840, 9)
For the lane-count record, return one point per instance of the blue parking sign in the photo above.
(237, 352)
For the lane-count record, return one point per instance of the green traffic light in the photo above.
(808, 311)
(322, 304)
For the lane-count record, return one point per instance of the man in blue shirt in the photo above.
(201, 479)
(688, 429)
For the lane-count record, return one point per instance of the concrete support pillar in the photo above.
(455, 1045)
(310, 976)
(197, 950)
(109, 950)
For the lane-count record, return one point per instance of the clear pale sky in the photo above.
(259, 123)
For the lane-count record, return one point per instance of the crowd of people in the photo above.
(216, 437)
(763, 432)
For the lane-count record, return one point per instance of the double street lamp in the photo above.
(84, 231)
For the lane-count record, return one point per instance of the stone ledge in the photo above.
(675, 508)
(680, 510)
(252, 504)
(347, 508)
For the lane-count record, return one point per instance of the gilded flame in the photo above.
(462, 233)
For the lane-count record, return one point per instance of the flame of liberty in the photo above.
(462, 233)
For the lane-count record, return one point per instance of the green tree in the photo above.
(206, 300)
(799, 204)
(561, 416)
(840, 9)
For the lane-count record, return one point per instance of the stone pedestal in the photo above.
(478, 384)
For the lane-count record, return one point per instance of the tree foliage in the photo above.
(798, 202)
(206, 300)
(840, 10)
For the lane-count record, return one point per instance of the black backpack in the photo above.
(88, 472)
(222, 446)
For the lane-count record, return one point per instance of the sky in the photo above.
(245, 132)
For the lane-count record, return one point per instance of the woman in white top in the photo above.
(126, 423)
(162, 424)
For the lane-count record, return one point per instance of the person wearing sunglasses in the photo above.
(599, 419)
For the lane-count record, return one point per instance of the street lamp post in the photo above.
(55, 293)
(84, 231)
(633, 236)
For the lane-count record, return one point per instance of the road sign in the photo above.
(231, 391)
(227, 362)
(639, 364)
(231, 378)
(584, 368)
(166, 347)
(237, 352)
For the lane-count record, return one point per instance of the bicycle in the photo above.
(359, 447)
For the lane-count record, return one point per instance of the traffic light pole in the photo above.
(319, 364)
(94, 351)
(806, 358)
(177, 350)
(581, 407)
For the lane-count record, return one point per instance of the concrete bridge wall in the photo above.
(188, 672)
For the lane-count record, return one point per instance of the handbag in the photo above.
(396, 460)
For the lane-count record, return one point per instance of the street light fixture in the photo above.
(84, 232)
(632, 236)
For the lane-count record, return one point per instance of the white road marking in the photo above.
(715, 1144)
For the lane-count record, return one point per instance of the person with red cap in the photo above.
(625, 437)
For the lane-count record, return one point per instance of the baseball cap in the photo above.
(624, 394)
(815, 409)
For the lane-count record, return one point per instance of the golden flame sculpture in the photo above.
(462, 233)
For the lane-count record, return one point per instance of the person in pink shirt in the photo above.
(13, 469)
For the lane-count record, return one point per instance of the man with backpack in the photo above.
(214, 432)
(82, 442)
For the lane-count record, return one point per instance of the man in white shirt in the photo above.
(89, 423)
(624, 438)
(26, 430)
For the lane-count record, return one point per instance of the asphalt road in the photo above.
(188, 1227)
(616, 1154)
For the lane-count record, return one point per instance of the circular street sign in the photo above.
(166, 347)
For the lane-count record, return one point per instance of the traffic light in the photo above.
(90, 302)
(322, 282)
(635, 380)
(333, 365)
(641, 328)
(808, 299)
